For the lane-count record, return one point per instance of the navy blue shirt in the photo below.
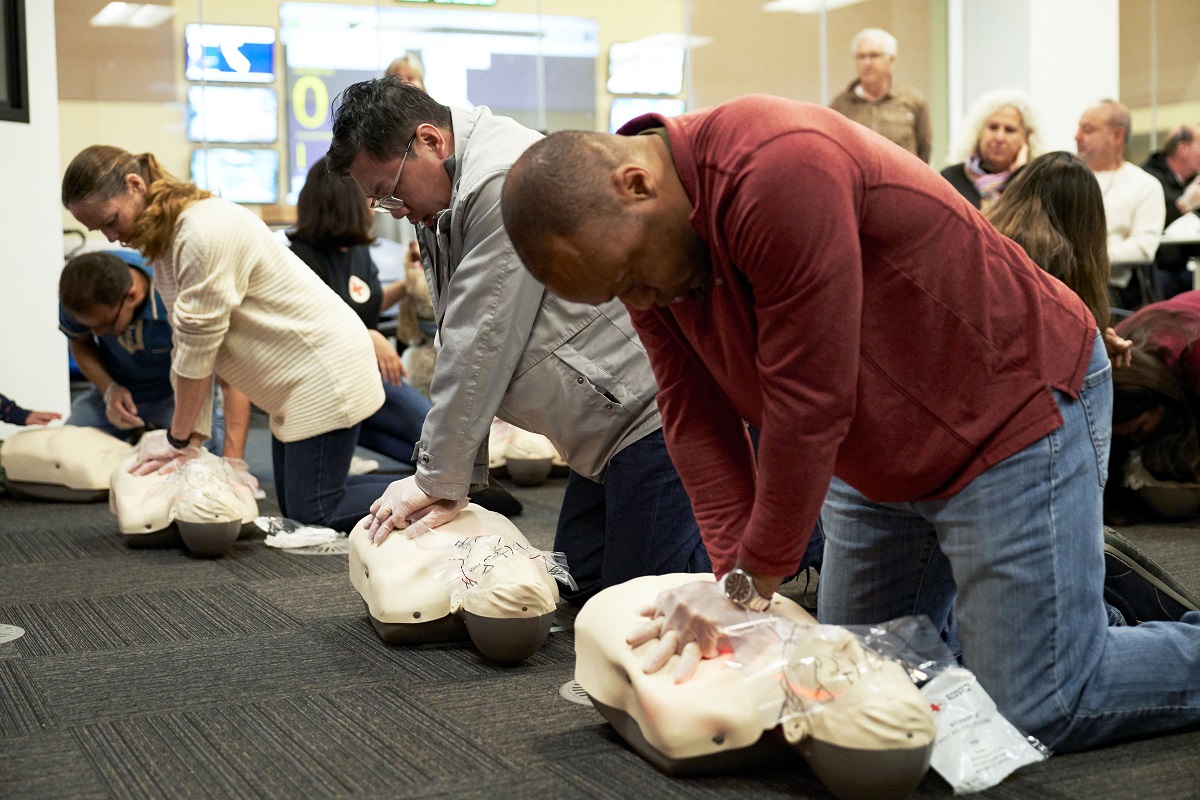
(140, 358)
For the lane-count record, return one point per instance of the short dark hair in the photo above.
(378, 118)
(331, 211)
(93, 279)
(556, 185)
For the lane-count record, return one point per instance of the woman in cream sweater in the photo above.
(243, 307)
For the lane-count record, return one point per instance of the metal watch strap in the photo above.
(738, 586)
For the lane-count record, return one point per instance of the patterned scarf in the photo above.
(988, 184)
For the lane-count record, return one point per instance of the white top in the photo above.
(1136, 212)
(245, 307)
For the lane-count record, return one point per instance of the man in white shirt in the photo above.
(1133, 200)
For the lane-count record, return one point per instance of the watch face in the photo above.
(738, 587)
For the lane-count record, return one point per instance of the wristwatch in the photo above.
(178, 444)
(739, 587)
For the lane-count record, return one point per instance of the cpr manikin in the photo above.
(855, 717)
(205, 502)
(62, 463)
(475, 577)
(528, 458)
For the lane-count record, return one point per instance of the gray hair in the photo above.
(1180, 134)
(886, 41)
(987, 104)
(1118, 116)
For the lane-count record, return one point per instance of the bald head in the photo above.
(595, 216)
(555, 186)
(1103, 134)
(1182, 150)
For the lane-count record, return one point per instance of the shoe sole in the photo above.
(1128, 554)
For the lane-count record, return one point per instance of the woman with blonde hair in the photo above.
(999, 136)
(246, 308)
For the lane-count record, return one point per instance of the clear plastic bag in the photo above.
(300, 539)
(471, 561)
(976, 746)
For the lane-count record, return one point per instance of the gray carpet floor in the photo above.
(155, 674)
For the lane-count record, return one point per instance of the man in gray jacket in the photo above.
(575, 373)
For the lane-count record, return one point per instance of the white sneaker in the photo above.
(362, 466)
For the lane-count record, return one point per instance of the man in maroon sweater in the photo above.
(789, 269)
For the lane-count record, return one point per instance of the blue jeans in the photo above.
(1023, 543)
(395, 428)
(87, 411)
(638, 522)
(313, 484)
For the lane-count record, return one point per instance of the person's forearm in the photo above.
(237, 421)
(393, 293)
(87, 358)
(191, 395)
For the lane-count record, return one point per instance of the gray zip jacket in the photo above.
(574, 373)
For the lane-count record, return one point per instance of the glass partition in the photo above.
(1160, 74)
(198, 82)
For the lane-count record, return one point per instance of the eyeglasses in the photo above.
(390, 201)
(111, 328)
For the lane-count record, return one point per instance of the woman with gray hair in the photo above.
(999, 137)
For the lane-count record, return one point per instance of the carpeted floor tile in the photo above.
(140, 618)
(48, 766)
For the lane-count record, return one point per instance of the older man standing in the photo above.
(1177, 168)
(901, 115)
(1133, 200)
(794, 271)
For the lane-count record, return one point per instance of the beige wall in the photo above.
(750, 51)
(158, 125)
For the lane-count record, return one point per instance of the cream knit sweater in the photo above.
(244, 307)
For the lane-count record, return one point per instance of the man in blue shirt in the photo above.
(120, 336)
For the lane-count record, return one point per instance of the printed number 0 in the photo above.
(320, 95)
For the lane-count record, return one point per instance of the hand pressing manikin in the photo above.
(405, 506)
(155, 454)
(687, 620)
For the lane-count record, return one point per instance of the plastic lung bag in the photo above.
(976, 746)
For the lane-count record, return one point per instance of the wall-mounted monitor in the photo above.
(626, 108)
(235, 114)
(233, 53)
(645, 68)
(240, 176)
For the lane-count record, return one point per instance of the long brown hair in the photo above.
(1054, 209)
(1155, 378)
(331, 212)
(98, 172)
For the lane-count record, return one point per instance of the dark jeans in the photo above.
(313, 485)
(638, 522)
(395, 429)
(1170, 283)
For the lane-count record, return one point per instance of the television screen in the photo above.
(233, 114)
(240, 176)
(626, 108)
(240, 53)
(645, 68)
